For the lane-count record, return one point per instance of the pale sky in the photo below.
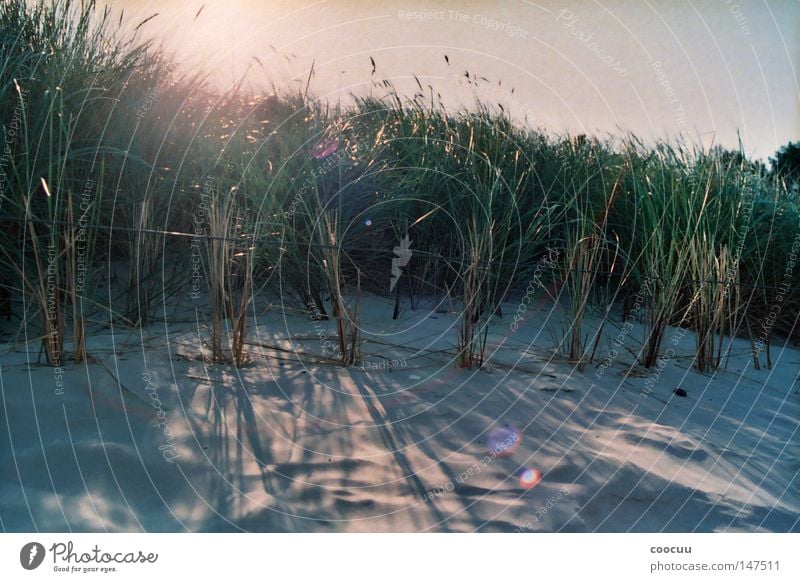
(705, 69)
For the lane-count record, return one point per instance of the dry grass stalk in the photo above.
(226, 262)
(71, 252)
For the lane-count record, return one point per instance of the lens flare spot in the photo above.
(529, 478)
(324, 148)
(504, 441)
(368, 222)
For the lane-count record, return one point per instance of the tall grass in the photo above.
(308, 202)
(60, 66)
(714, 259)
(229, 251)
(590, 252)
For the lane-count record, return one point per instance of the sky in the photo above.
(710, 71)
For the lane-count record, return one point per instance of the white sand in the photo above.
(293, 443)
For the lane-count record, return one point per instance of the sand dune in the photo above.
(156, 440)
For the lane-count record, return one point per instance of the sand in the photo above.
(149, 437)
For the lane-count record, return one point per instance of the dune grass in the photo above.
(294, 199)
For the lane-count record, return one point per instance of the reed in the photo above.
(669, 215)
(714, 256)
(229, 259)
(79, 249)
(60, 61)
(329, 252)
(589, 252)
